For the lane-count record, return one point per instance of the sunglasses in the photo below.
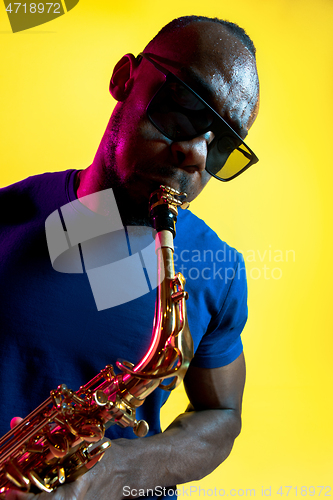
(181, 115)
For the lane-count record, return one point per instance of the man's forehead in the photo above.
(205, 54)
(216, 65)
(200, 43)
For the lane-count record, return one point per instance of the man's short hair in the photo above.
(181, 22)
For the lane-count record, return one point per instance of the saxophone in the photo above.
(63, 438)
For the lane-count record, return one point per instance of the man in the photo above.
(138, 153)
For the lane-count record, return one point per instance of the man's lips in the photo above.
(174, 179)
(179, 173)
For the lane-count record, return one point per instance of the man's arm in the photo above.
(193, 445)
(197, 441)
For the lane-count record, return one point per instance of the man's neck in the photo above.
(90, 182)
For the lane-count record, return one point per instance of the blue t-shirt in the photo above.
(52, 331)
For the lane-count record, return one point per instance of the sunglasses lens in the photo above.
(180, 115)
(177, 112)
(228, 157)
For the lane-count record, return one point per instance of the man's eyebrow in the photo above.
(203, 88)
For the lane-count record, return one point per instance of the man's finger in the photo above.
(15, 421)
(18, 495)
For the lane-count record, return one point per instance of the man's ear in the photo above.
(122, 77)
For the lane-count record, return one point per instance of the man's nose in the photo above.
(191, 153)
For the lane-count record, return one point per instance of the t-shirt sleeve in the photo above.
(222, 342)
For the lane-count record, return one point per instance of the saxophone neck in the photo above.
(163, 239)
(165, 357)
(164, 205)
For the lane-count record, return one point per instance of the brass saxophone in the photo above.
(63, 438)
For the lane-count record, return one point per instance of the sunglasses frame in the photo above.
(217, 119)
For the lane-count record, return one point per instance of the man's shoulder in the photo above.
(33, 196)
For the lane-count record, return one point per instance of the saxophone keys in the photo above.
(141, 428)
(177, 296)
(93, 454)
(16, 477)
(91, 430)
(40, 483)
(58, 444)
(61, 475)
(98, 451)
(101, 398)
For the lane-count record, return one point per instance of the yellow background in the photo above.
(55, 106)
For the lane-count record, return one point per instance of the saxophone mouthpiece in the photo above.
(163, 207)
